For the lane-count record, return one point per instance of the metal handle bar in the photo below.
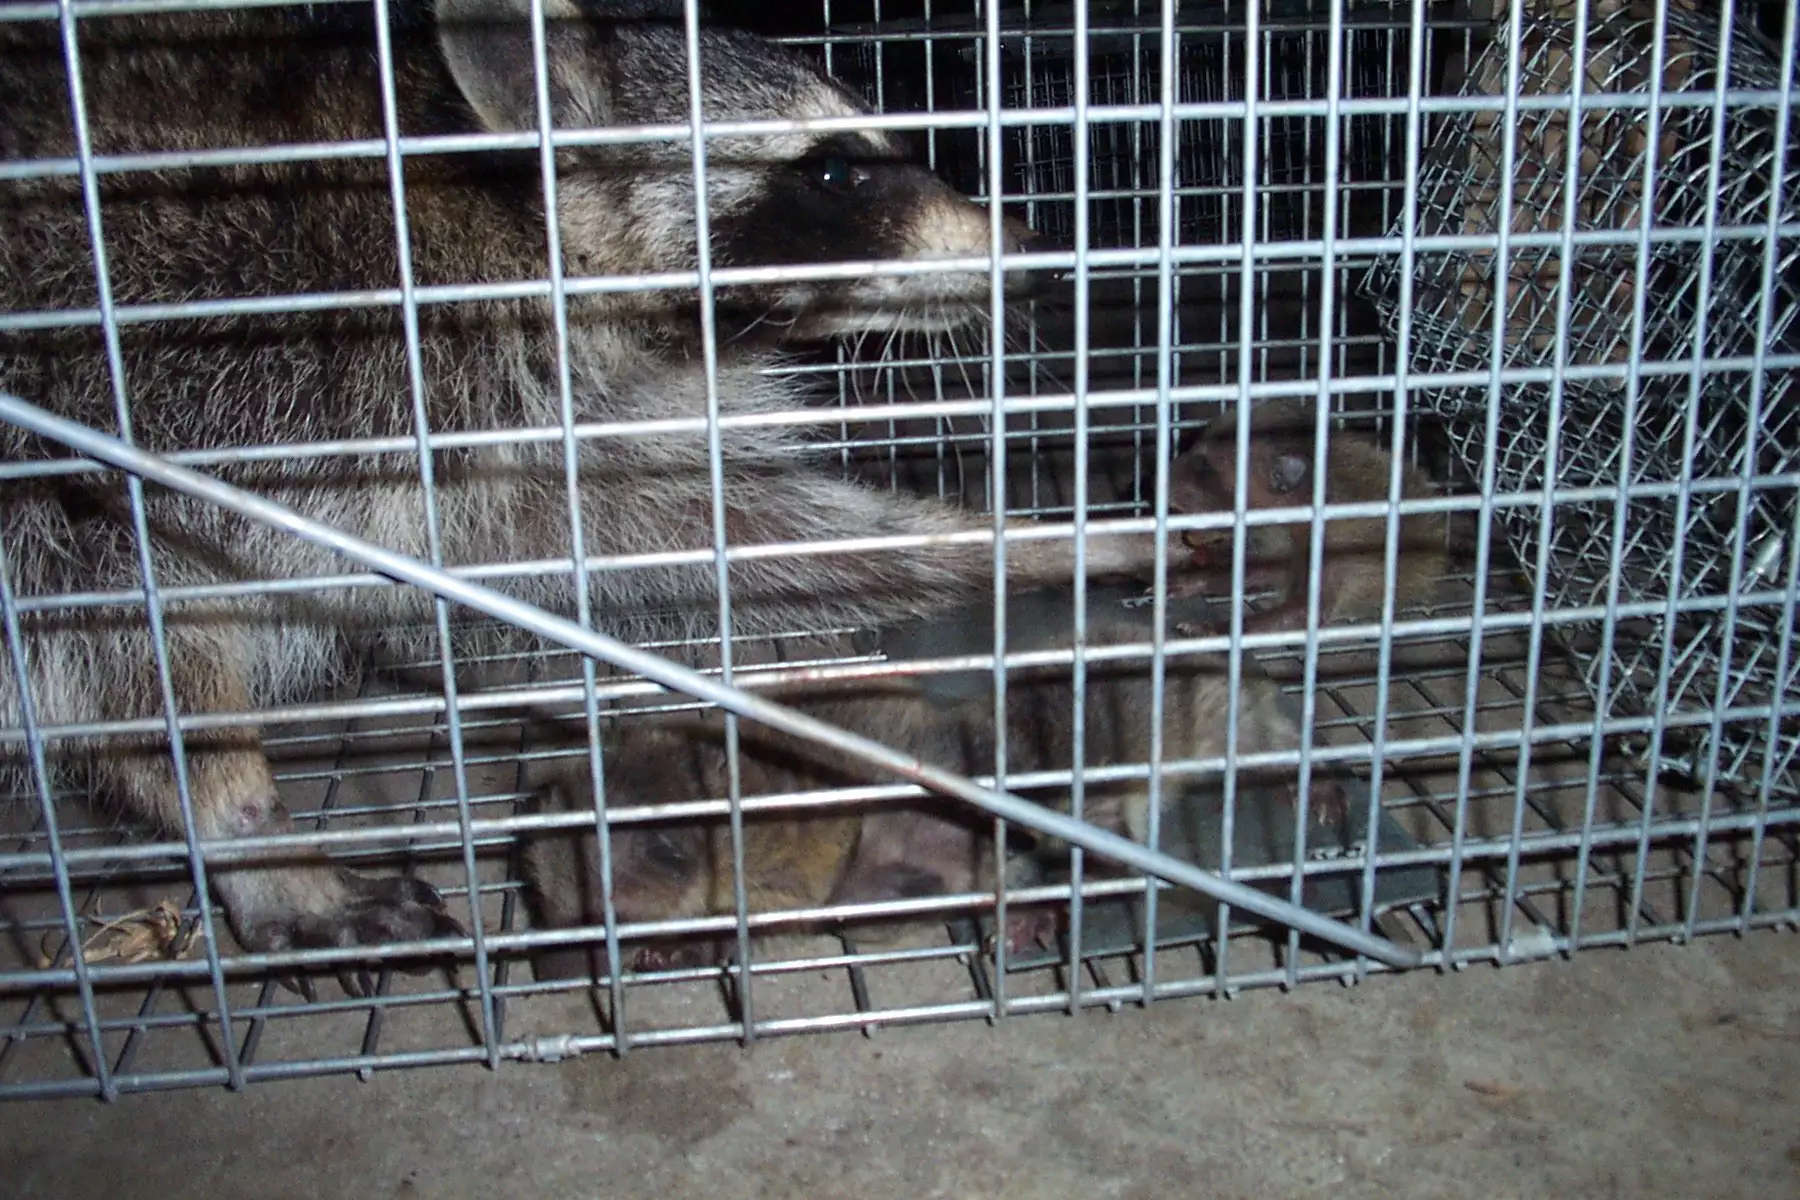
(111, 450)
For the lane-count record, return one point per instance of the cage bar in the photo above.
(1543, 252)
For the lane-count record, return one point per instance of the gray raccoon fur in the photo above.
(209, 80)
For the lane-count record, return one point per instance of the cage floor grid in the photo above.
(393, 770)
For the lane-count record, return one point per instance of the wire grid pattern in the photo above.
(1209, 166)
(1036, 60)
(1613, 427)
(1536, 815)
(161, 1029)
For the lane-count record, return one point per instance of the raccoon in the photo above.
(669, 869)
(665, 870)
(1354, 572)
(339, 369)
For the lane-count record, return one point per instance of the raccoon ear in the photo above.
(1288, 471)
(487, 46)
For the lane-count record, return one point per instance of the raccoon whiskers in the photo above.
(853, 356)
(1022, 337)
(766, 317)
(894, 364)
(884, 366)
(959, 357)
(929, 355)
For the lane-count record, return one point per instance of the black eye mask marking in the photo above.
(832, 172)
(669, 853)
(843, 163)
(849, 197)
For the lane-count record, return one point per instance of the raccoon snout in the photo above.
(1020, 238)
(1016, 237)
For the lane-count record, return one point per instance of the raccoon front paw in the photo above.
(1121, 557)
(1028, 929)
(331, 909)
(680, 955)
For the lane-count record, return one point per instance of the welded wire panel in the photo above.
(1549, 254)
(1637, 162)
(395, 772)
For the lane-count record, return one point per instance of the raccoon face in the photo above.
(1204, 479)
(851, 197)
(776, 200)
(658, 871)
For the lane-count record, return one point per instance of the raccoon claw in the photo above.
(656, 958)
(1188, 584)
(371, 912)
(299, 985)
(357, 985)
(1179, 586)
(677, 956)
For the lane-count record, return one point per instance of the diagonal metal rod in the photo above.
(108, 449)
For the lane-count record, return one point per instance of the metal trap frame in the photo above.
(1512, 817)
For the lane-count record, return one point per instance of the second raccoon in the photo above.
(931, 846)
(1279, 474)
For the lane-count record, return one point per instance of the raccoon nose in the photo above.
(1022, 239)
(1016, 237)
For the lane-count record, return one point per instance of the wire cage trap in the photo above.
(1488, 821)
(1627, 405)
(943, 56)
(1123, 55)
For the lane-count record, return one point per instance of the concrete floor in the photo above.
(1662, 1071)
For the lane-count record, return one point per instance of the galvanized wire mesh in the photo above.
(1532, 836)
(1651, 380)
(1124, 69)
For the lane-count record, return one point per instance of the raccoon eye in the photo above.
(834, 171)
(667, 853)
